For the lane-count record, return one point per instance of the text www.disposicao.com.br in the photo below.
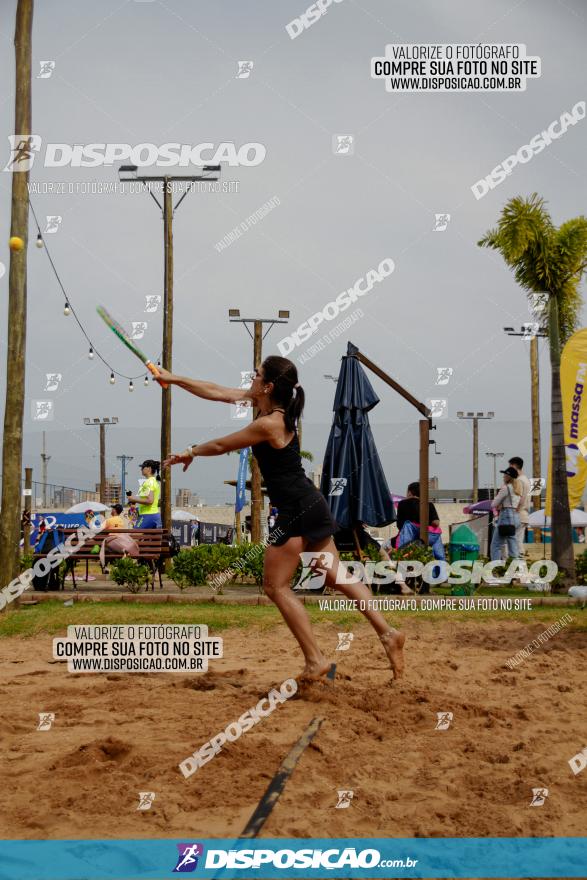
(135, 664)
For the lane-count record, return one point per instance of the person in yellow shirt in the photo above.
(115, 520)
(148, 496)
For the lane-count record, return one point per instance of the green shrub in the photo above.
(581, 568)
(27, 560)
(129, 573)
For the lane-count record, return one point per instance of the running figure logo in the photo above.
(46, 719)
(337, 485)
(47, 68)
(146, 799)
(344, 799)
(22, 151)
(152, 302)
(138, 329)
(53, 223)
(244, 69)
(314, 568)
(53, 380)
(444, 720)
(187, 861)
(438, 407)
(343, 144)
(344, 641)
(42, 410)
(443, 375)
(539, 795)
(441, 222)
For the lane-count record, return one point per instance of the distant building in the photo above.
(183, 498)
(112, 490)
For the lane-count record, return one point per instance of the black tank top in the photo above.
(282, 471)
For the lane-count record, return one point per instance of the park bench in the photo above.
(154, 548)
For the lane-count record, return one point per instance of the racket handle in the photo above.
(153, 369)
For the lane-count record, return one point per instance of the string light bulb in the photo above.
(112, 379)
(66, 309)
(146, 382)
(91, 353)
(131, 387)
(39, 241)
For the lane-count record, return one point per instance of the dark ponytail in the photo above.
(287, 392)
(155, 467)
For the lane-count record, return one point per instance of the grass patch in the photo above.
(52, 618)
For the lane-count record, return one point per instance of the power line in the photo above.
(69, 304)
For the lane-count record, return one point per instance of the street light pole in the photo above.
(257, 336)
(495, 456)
(101, 424)
(474, 417)
(123, 460)
(167, 210)
(532, 336)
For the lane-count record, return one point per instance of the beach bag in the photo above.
(506, 527)
(48, 541)
(124, 544)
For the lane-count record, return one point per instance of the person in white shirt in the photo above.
(506, 519)
(524, 507)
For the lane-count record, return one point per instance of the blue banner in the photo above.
(241, 480)
(299, 857)
(54, 521)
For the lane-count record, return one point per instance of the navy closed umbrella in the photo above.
(352, 476)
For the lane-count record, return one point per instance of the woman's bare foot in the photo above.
(316, 671)
(393, 642)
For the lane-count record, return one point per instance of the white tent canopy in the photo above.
(96, 506)
(538, 518)
(183, 515)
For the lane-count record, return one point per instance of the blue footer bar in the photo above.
(287, 858)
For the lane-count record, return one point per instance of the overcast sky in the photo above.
(160, 72)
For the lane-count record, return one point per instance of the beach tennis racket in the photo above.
(126, 340)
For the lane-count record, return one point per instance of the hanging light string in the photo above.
(68, 304)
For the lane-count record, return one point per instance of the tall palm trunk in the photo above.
(561, 533)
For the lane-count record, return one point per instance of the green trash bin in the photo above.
(463, 544)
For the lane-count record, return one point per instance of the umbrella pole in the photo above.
(424, 449)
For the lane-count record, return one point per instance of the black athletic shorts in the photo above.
(310, 517)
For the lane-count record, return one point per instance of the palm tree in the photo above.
(551, 260)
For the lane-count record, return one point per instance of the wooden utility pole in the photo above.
(535, 397)
(424, 478)
(166, 358)
(44, 459)
(256, 495)
(17, 290)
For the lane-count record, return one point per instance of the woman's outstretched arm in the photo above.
(256, 432)
(205, 390)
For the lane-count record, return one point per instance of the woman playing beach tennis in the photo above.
(304, 522)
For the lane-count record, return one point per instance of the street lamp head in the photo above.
(490, 415)
(211, 168)
(460, 415)
(470, 415)
(234, 313)
(127, 169)
(509, 330)
(87, 422)
(283, 313)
